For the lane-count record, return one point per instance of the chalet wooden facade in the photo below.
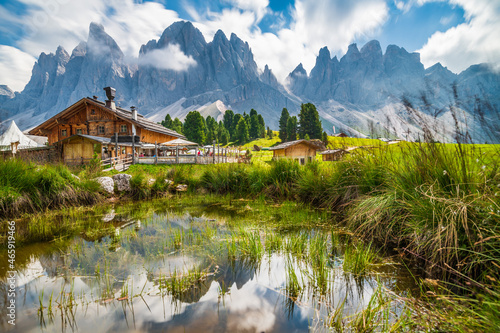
(333, 155)
(303, 151)
(90, 125)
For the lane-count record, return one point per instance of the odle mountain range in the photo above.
(366, 92)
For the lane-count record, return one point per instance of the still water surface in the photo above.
(197, 267)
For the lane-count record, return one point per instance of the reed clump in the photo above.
(27, 187)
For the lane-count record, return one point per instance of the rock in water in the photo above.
(122, 181)
(107, 184)
(181, 188)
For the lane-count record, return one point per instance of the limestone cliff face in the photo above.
(370, 86)
(224, 69)
(365, 86)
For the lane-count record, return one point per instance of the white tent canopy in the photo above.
(14, 137)
(179, 142)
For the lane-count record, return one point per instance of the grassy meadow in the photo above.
(437, 205)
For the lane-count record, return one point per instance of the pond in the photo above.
(208, 264)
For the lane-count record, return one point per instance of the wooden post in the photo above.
(196, 155)
(156, 152)
(133, 149)
(176, 154)
(218, 153)
(213, 153)
(116, 145)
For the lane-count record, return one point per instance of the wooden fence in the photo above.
(39, 155)
(189, 159)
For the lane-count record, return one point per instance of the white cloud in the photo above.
(50, 23)
(316, 23)
(445, 20)
(258, 7)
(170, 57)
(469, 43)
(15, 67)
(337, 23)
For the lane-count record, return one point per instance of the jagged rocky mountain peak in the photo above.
(80, 50)
(352, 49)
(299, 70)
(372, 48)
(220, 36)
(185, 34)
(99, 43)
(6, 91)
(364, 82)
(61, 53)
(324, 53)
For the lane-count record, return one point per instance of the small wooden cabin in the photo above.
(79, 128)
(333, 155)
(303, 151)
(80, 148)
(341, 135)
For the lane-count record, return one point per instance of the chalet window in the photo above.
(92, 111)
(123, 128)
(64, 132)
(302, 161)
(79, 131)
(100, 129)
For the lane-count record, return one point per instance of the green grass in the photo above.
(27, 187)
(438, 204)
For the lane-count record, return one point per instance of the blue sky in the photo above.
(281, 33)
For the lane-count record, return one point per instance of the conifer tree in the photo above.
(242, 131)
(262, 126)
(228, 121)
(325, 139)
(291, 129)
(283, 125)
(309, 122)
(270, 133)
(167, 122)
(194, 127)
(254, 126)
(177, 126)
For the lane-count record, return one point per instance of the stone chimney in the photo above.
(134, 112)
(110, 94)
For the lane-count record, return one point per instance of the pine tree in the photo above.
(236, 120)
(270, 133)
(309, 122)
(291, 129)
(325, 139)
(262, 126)
(224, 136)
(194, 127)
(167, 122)
(228, 120)
(283, 125)
(254, 131)
(177, 126)
(242, 131)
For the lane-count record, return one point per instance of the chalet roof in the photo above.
(332, 151)
(141, 121)
(100, 139)
(119, 112)
(316, 144)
